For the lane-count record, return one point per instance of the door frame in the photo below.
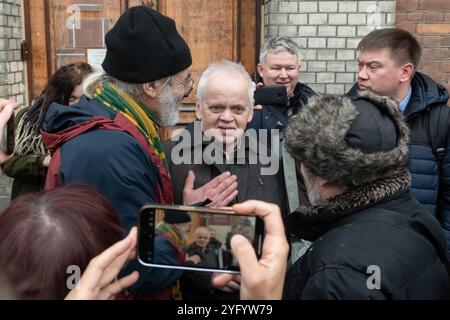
(37, 25)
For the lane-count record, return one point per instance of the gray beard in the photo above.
(170, 108)
(312, 190)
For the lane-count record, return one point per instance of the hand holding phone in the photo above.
(160, 225)
(261, 277)
(7, 127)
(271, 95)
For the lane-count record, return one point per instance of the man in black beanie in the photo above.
(110, 138)
(371, 238)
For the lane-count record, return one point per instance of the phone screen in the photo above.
(205, 238)
(271, 95)
(8, 137)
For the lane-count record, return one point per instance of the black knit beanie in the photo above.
(144, 46)
(174, 217)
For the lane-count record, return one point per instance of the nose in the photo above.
(362, 74)
(283, 73)
(226, 115)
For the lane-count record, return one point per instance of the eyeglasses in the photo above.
(188, 84)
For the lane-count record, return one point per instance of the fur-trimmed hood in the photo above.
(318, 137)
(310, 222)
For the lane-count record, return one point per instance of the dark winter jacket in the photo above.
(27, 170)
(372, 242)
(117, 165)
(252, 184)
(276, 117)
(266, 117)
(196, 285)
(430, 184)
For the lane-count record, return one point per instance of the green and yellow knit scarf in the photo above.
(170, 232)
(144, 119)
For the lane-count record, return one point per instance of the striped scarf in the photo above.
(135, 111)
(169, 232)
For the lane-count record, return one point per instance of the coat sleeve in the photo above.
(340, 283)
(28, 165)
(117, 166)
(120, 169)
(153, 280)
(444, 197)
(24, 165)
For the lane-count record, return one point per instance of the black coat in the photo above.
(196, 285)
(252, 184)
(277, 117)
(266, 118)
(389, 234)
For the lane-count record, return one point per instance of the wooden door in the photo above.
(214, 30)
(65, 31)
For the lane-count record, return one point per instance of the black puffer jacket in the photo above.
(375, 232)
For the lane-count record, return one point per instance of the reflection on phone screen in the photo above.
(203, 237)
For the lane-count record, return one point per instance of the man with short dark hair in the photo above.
(388, 63)
(371, 238)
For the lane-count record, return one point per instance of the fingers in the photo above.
(245, 254)
(195, 259)
(270, 213)
(4, 157)
(233, 286)
(8, 103)
(94, 273)
(225, 177)
(225, 202)
(6, 113)
(223, 190)
(224, 198)
(220, 280)
(275, 246)
(258, 107)
(118, 286)
(115, 266)
(189, 183)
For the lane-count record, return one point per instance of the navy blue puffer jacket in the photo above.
(430, 184)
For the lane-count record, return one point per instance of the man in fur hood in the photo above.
(371, 238)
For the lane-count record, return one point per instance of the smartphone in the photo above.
(8, 141)
(271, 95)
(225, 224)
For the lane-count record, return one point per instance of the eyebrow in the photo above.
(369, 62)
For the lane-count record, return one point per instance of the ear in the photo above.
(260, 68)
(198, 111)
(150, 90)
(250, 116)
(407, 72)
(322, 182)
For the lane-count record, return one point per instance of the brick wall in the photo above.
(11, 68)
(429, 21)
(328, 33)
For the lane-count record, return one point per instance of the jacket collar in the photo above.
(310, 222)
(425, 93)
